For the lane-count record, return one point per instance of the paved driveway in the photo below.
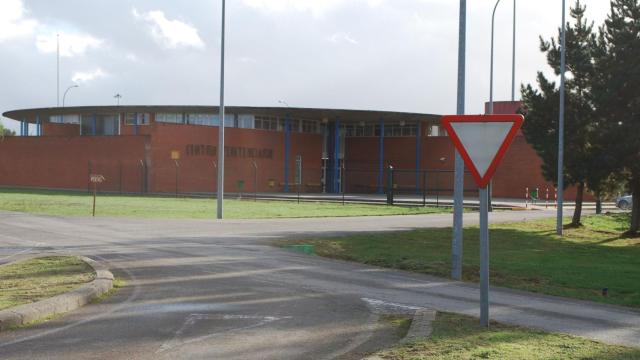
(217, 290)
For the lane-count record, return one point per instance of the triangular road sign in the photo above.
(482, 140)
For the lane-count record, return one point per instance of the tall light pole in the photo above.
(513, 57)
(117, 97)
(220, 194)
(493, 21)
(563, 64)
(57, 69)
(66, 91)
(458, 184)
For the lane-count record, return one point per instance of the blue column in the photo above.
(94, 124)
(418, 146)
(336, 157)
(135, 122)
(38, 126)
(381, 159)
(287, 148)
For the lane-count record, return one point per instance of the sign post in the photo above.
(482, 141)
(95, 180)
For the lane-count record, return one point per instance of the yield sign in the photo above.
(482, 140)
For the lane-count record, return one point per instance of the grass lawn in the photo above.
(79, 204)
(36, 279)
(525, 255)
(462, 337)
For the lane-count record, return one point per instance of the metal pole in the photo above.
(484, 257)
(513, 56)
(58, 70)
(458, 183)
(221, 126)
(493, 18)
(561, 126)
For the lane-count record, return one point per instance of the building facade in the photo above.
(173, 149)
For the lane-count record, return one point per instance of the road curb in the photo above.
(420, 326)
(59, 304)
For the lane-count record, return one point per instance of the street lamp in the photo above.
(220, 192)
(493, 21)
(66, 91)
(561, 125)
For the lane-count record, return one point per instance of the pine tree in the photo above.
(617, 94)
(542, 109)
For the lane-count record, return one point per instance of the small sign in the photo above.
(175, 155)
(482, 141)
(96, 179)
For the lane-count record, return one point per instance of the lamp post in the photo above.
(563, 64)
(458, 182)
(513, 56)
(220, 191)
(490, 112)
(66, 91)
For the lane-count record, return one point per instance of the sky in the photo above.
(396, 55)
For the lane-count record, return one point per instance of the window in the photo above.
(203, 119)
(64, 119)
(246, 121)
(266, 122)
(172, 118)
(310, 126)
(436, 130)
(136, 119)
(99, 125)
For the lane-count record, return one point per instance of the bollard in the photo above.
(390, 187)
(526, 197)
(546, 201)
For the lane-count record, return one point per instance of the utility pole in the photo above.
(458, 185)
(563, 64)
(220, 194)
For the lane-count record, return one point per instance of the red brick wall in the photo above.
(197, 173)
(49, 129)
(65, 162)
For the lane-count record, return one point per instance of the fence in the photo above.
(200, 178)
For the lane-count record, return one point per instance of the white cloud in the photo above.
(84, 77)
(13, 23)
(170, 33)
(247, 60)
(71, 44)
(342, 37)
(315, 7)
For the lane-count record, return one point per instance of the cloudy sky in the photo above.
(355, 54)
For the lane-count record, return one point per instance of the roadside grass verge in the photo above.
(524, 255)
(462, 337)
(66, 203)
(32, 280)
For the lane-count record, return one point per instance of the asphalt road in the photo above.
(218, 290)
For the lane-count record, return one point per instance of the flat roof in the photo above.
(345, 115)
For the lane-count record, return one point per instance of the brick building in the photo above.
(167, 149)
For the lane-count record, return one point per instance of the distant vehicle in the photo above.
(624, 202)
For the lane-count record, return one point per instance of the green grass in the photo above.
(462, 337)
(32, 280)
(525, 255)
(79, 204)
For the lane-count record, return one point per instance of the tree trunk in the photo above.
(635, 210)
(577, 213)
(598, 204)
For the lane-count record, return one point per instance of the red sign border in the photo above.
(516, 119)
